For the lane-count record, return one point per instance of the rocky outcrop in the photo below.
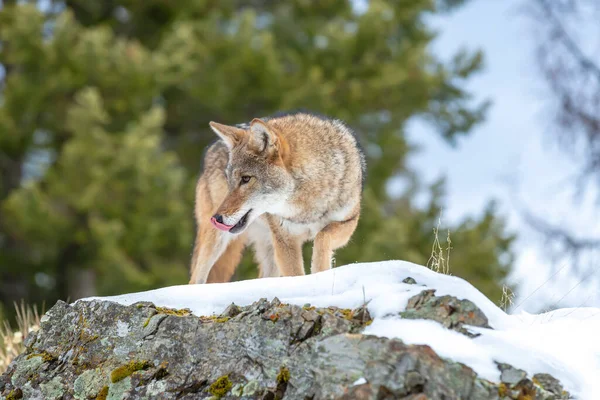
(449, 311)
(268, 350)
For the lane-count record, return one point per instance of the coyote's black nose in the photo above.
(219, 218)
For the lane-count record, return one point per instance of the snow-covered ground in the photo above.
(564, 343)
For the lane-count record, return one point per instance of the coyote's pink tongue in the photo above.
(219, 225)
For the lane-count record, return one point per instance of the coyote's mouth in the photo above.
(231, 228)
(241, 223)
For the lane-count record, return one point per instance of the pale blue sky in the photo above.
(511, 157)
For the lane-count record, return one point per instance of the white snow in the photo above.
(359, 381)
(564, 343)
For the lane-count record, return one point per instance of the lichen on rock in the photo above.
(54, 389)
(314, 352)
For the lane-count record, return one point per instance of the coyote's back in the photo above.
(276, 183)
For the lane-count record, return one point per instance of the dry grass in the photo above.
(508, 296)
(11, 341)
(439, 261)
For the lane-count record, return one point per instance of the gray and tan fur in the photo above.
(275, 184)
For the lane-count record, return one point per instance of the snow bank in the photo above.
(564, 343)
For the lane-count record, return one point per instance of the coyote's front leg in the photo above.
(287, 250)
(209, 246)
(333, 236)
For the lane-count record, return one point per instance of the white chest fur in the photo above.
(306, 231)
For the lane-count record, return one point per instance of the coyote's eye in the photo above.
(245, 179)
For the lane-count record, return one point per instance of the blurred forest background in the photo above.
(104, 111)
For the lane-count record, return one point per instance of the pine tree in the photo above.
(103, 122)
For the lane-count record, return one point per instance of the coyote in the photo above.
(276, 183)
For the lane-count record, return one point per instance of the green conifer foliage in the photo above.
(104, 111)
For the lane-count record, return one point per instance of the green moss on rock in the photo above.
(220, 387)
(346, 313)
(46, 357)
(15, 394)
(148, 320)
(184, 312)
(214, 318)
(103, 393)
(283, 376)
(126, 370)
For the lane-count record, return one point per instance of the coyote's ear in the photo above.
(262, 137)
(230, 134)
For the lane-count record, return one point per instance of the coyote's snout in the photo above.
(217, 221)
(276, 183)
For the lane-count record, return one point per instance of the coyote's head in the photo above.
(256, 174)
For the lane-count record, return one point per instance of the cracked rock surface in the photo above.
(267, 350)
(449, 311)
